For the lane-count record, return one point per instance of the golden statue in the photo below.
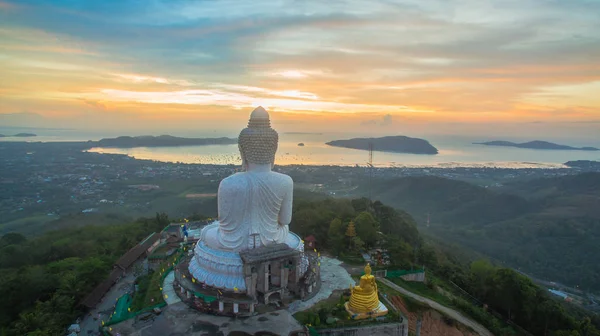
(364, 301)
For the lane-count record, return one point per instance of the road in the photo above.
(89, 325)
(478, 328)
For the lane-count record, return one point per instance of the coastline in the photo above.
(442, 165)
(315, 153)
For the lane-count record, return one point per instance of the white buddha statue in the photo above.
(255, 206)
(254, 209)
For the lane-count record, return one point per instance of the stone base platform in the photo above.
(180, 319)
(207, 299)
(381, 310)
(225, 269)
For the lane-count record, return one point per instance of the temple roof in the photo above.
(137, 251)
(96, 295)
(268, 253)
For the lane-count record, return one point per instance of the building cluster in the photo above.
(58, 179)
(54, 181)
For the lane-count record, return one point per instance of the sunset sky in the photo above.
(314, 64)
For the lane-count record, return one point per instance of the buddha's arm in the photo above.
(227, 197)
(285, 214)
(222, 206)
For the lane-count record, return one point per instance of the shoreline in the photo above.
(152, 154)
(512, 165)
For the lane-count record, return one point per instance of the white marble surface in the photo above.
(224, 269)
(333, 276)
(255, 209)
(254, 206)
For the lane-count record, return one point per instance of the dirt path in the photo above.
(448, 311)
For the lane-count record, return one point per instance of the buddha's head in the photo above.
(258, 142)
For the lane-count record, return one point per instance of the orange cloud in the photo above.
(332, 70)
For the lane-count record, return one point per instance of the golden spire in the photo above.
(351, 230)
(368, 270)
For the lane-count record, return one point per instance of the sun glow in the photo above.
(293, 74)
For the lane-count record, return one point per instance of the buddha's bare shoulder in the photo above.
(283, 178)
(235, 180)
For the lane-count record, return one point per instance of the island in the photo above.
(25, 135)
(301, 144)
(536, 144)
(394, 144)
(583, 164)
(2, 136)
(159, 141)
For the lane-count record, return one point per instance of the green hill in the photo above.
(159, 141)
(449, 201)
(546, 227)
(570, 185)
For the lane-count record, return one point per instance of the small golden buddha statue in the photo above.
(363, 298)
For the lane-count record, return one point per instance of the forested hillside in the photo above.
(329, 220)
(548, 227)
(343, 227)
(43, 279)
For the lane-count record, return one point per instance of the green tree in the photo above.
(585, 327)
(367, 228)
(335, 235)
(357, 244)
(335, 228)
(427, 255)
(396, 222)
(161, 220)
(481, 273)
(27, 322)
(306, 222)
(89, 270)
(400, 252)
(69, 284)
(361, 204)
(12, 238)
(57, 269)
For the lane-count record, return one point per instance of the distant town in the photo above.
(41, 182)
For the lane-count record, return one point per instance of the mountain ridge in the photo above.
(535, 144)
(159, 141)
(553, 219)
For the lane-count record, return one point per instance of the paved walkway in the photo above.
(333, 276)
(168, 291)
(194, 233)
(481, 330)
(89, 325)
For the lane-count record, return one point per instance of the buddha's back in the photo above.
(254, 209)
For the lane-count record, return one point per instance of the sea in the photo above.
(454, 150)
